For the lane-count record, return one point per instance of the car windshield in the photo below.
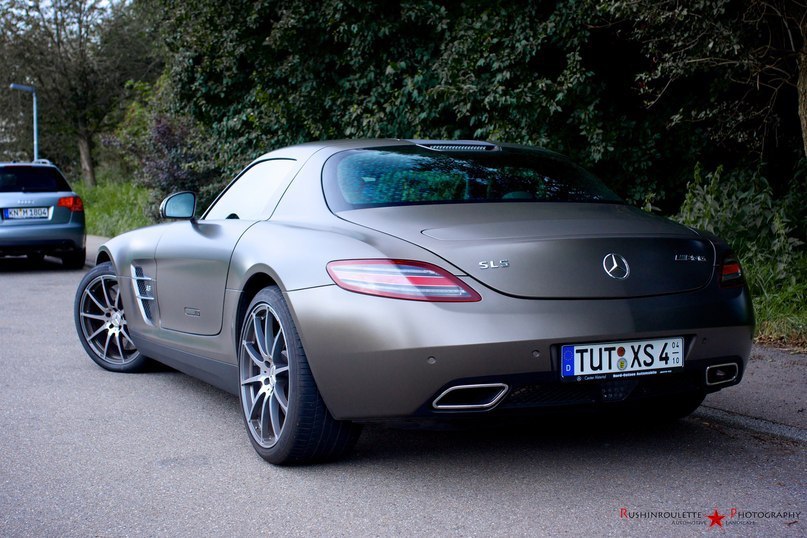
(379, 177)
(31, 179)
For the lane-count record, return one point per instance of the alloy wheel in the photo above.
(103, 322)
(264, 375)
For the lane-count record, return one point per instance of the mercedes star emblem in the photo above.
(616, 266)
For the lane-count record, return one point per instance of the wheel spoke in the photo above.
(274, 413)
(260, 336)
(282, 399)
(252, 355)
(254, 379)
(117, 297)
(278, 341)
(106, 294)
(254, 406)
(267, 330)
(120, 347)
(101, 329)
(93, 316)
(281, 370)
(126, 337)
(89, 294)
(106, 345)
(265, 416)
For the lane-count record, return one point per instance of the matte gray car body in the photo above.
(538, 268)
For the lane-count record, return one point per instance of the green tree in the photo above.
(79, 54)
(738, 69)
(269, 73)
(639, 91)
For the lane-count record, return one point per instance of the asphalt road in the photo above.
(85, 452)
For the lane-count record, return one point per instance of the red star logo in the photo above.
(716, 519)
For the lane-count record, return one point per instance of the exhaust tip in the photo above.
(720, 374)
(470, 397)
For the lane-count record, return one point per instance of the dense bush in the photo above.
(165, 151)
(178, 157)
(741, 206)
(260, 75)
(764, 231)
(638, 91)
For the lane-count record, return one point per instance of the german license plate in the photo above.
(617, 360)
(25, 213)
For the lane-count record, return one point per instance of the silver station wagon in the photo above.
(40, 214)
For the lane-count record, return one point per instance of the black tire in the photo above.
(101, 322)
(74, 260)
(278, 372)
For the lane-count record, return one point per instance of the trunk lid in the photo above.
(34, 201)
(554, 250)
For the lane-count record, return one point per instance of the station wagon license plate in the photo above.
(618, 360)
(25, 213)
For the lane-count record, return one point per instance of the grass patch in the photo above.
(114, 207)
(780, 305)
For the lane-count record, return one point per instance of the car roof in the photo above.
(305, 150)
(36, 164)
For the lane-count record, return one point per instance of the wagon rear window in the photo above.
(31, 179)
(363, 178)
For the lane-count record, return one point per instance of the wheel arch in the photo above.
(255, 283)
(103, 257)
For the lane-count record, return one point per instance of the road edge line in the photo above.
(745, 422)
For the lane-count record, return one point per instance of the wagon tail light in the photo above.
(401, 279)
(731, 273)
(73, 203)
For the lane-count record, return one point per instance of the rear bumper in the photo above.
(48, 239)
(377, 358)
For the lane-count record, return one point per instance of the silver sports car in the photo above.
(335, 283)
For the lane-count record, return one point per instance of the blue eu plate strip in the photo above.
(567, 361)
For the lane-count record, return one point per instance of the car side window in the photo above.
(253, 194)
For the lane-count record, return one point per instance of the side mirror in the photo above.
(180, 205)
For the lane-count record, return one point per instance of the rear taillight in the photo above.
(400, 279)
(731, 273)
(73, 203)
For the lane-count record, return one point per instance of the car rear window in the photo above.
(31, 179)
(379, 177)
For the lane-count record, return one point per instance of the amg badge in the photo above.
(689, 258)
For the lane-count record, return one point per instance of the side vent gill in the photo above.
(144, 291)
